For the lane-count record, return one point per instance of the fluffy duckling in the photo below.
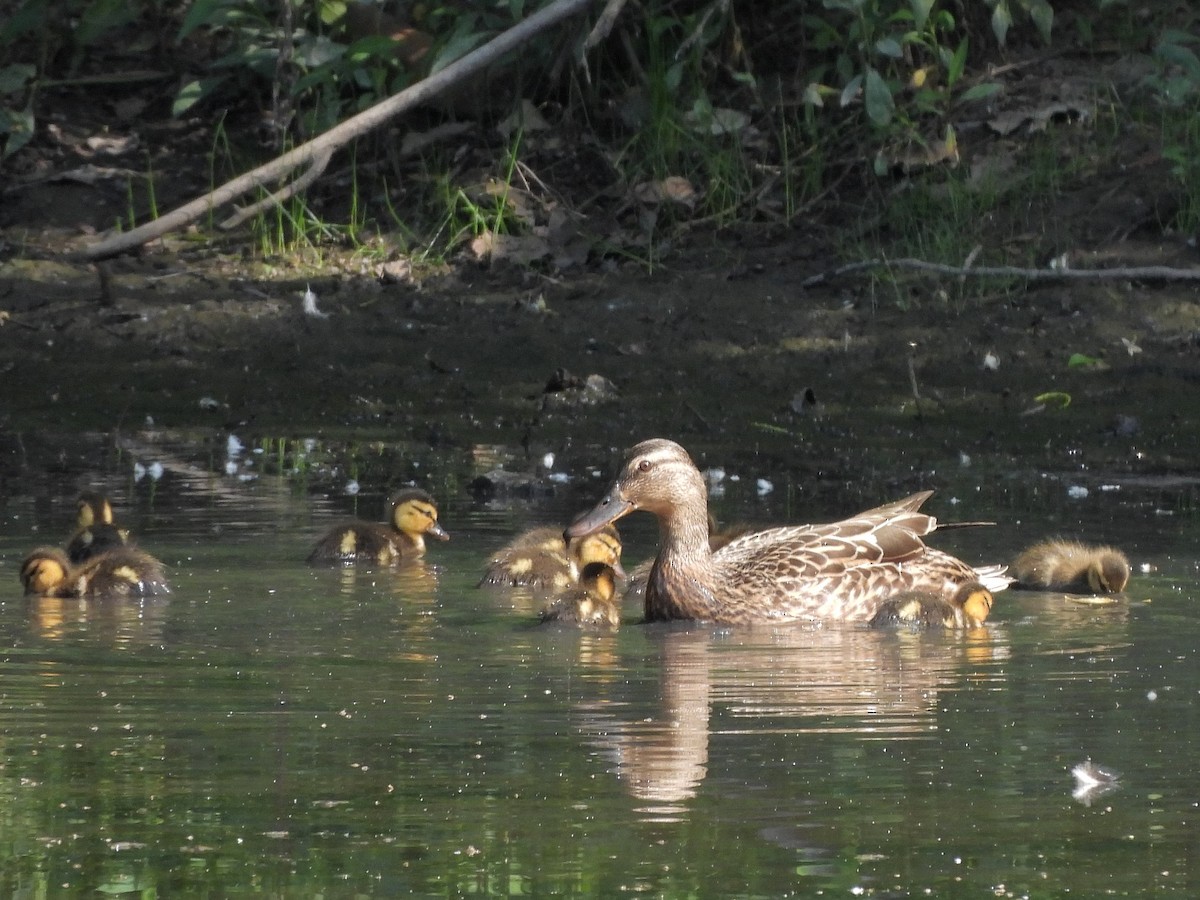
(94, 540)
(968, 608)
(592, 603)
(413, 515)
(543, 558)
(117, 573)
(95, 531)
(1072, 567)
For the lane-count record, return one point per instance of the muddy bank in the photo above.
(715, 348)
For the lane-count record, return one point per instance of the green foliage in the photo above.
(1176, 82)
(16, 124)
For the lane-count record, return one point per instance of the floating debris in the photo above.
(1093, 781)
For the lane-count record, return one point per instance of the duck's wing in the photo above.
(889, 533)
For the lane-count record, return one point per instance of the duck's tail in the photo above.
(993, 577)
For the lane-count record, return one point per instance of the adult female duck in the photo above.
(839, 571)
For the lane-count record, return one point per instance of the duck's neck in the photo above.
(682, 583)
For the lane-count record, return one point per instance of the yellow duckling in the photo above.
(592, 603)
(413, 515)
(836, 571)
(95, 531)
(121, 572)
(543, 558)
(968, 608)
(1072, 567)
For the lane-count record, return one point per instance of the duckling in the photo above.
(93, 508)
(412, 516)
(839, 571)
(95, 531)
(543, 558)
(590, 604)
(116, 573)
(1072, 567)
(95, 539)
(968, 608)
(44, 573)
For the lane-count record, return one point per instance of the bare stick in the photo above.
(312, 174)
(342, 134)
(1137, 273)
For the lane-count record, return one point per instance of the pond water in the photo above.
(276, 729)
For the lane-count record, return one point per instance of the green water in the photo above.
(280, 730)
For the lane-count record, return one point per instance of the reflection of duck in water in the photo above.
(768, 681)
(95, 531)
(968, 608)
(543, 558)
(121, 572)
(413, 515)
(841, 571)
(1072, 567)
(592, 603)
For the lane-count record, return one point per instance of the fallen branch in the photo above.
(369, 119)
(311, 174)
(1134, 273)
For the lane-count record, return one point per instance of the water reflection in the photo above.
(780, 681)
(121, 623)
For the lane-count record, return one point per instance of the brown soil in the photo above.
(717, 344)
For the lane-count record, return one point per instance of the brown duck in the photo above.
(412, 516)
(1072, 567)
(838, 571)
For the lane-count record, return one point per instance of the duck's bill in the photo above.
(608, 510)
(619, 570)
(437, 531)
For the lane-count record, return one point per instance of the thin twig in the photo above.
(339, 135)
(1135, 273)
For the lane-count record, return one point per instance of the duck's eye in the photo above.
(644, 465)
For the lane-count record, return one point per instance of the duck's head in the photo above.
(44, 570)
(93, 508)
(658, 476)
(975, 600)
(414, 514)
(601, 547)
(1108, 571)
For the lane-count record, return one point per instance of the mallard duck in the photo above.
(718, 537)
(413, 515)
(1072, 567)
(543, 558)
(839, 571)
(968, 608)
(121, 572)
(95, 531)
(592, 603)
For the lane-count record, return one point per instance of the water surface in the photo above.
(273, 728)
